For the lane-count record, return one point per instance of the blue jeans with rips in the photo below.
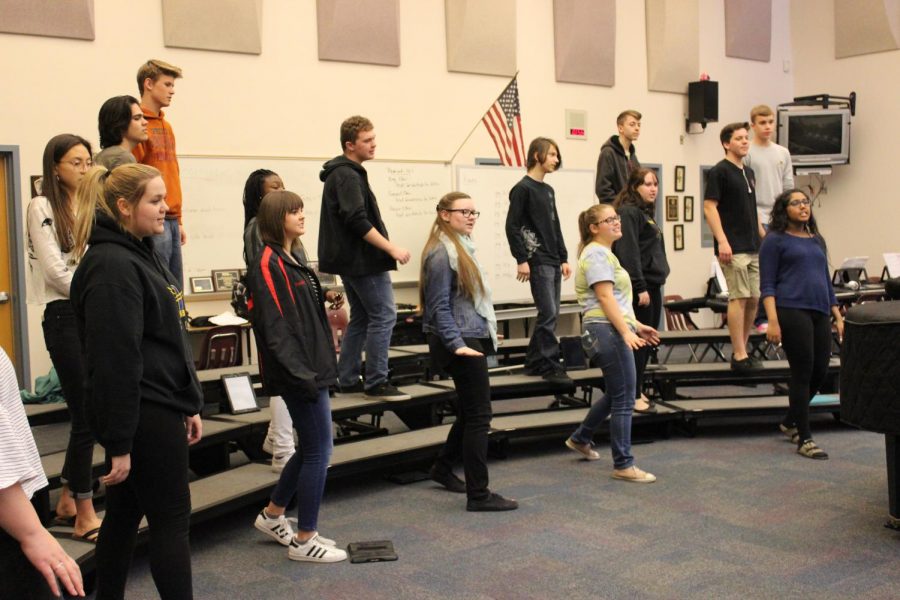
(373, 315)
(304, 474)
(607, 349)
(168, 245)
(542, 356)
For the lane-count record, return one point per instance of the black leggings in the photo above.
(157, 487)
(806, 339)
(468, 436)
(61, 338)
(648, 315)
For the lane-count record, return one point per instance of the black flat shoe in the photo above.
(448, 480)
(493, 503)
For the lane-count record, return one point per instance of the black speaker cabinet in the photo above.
(703, 102)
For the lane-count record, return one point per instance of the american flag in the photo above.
(504, 124)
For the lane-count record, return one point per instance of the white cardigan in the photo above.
(51, 269)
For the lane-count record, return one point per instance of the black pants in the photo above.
(157, 487)
(468, 436)
(19, 580)
(806, 339)
(648, 315)
(61, 338)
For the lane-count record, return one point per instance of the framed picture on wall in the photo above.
(671, 208)
(679, 178)
(688, 209)
(678, 236)
(224, 279)
(202, 285)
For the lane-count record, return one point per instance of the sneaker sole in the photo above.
(329, 558)
(571, 446)
(632, 479)
(390, 397)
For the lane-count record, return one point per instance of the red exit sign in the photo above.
(577, 132)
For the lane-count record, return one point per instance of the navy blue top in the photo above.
(795, 271)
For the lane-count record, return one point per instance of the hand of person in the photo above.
(725, 254)
(401, 255)
(183, 234)
(566, 271)
(634, 342)
(839, 325)
(648, 334)
(643, 298)
(523, 272)
(466, 351)
(335, 298)
(121, 466)
(773, 333)
(48, 557)
(194, 427)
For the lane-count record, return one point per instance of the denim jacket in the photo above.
(446, 313)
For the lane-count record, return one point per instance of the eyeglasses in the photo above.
(79, 164)
(796, 203)
(466, 212)
(610, 220)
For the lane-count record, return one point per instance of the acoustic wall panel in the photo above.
(222, 25)
(481, 36)
(865, 26)
(584, 38)
(673, 44)
(51, 18)
(363, 31)
(748, 29)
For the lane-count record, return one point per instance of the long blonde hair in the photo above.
(468, 274)
(100, 189)
(589, 217)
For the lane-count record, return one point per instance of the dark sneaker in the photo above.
(356, 388)
(386, 391)
(558, 378)
(744, 365)
(493, 503)
(449, 480)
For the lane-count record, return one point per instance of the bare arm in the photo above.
(399, 254)
(711, 212)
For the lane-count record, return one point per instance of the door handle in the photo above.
(4, 297)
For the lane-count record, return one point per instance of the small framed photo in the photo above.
(202, 285)
(688, 209)
(671, 208)
(224, 279)
(679, 178)
(678, 236)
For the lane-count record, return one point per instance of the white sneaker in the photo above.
(315, 550)
(280, 530)
(279, 461)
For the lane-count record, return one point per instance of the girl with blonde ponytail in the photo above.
(143, 397)
(461, 328)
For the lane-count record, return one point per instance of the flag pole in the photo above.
(452, 158)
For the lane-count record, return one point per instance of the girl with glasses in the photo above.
(610, 335)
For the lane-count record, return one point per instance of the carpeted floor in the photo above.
(736, 513)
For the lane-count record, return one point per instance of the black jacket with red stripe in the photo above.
(293, 337)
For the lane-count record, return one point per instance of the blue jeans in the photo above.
(542, 356)
(607, 350)
(373, 315)
(304, 474)
(168, 244)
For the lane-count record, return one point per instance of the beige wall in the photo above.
(285, 102)
(859, 212)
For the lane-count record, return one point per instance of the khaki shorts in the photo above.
(742, 276)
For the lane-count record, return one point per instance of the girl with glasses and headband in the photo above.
(50, 222)
(610, 335)
(461, 328)
(799, 300)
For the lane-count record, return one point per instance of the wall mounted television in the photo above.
(815, 137)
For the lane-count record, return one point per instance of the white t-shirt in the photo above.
(774, 174)
(19, 459)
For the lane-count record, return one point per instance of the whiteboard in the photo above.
(489, 188)
(213, 211)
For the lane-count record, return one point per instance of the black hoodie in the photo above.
(613, 169)
(349, 211)
(131, 315)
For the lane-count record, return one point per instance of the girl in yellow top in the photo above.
(610, 334)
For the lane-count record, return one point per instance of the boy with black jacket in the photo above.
(618, 157)
(354, 243)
